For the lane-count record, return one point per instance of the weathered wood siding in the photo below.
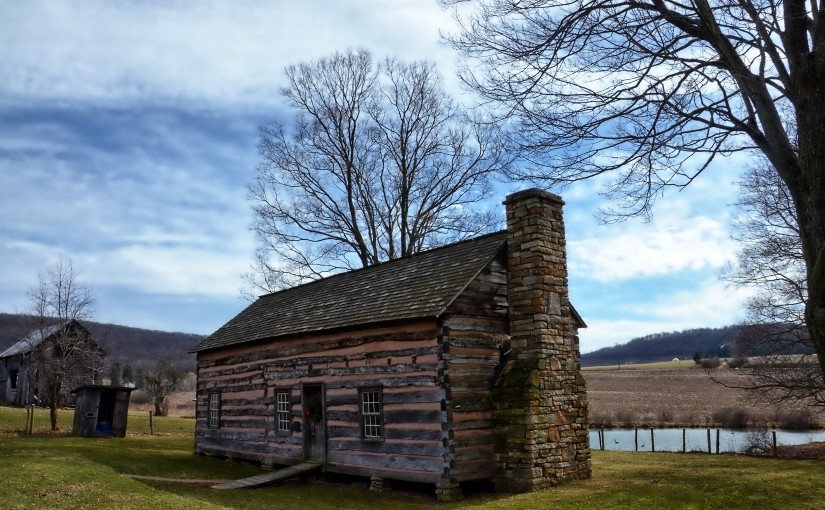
(96, 404)
(477, 325)
(436, 378)
(404, 360)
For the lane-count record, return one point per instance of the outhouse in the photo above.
(101, 410)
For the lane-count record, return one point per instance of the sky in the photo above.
(128, 133)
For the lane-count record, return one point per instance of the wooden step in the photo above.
(271, 477)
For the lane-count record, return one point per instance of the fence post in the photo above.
(717, 440)
(684, 440)
(709, 450)
(29, 412)
(652, 441)
(636, 438)
(774, 442)
(151, 428)
(601, 438)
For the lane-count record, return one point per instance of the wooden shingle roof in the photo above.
(415, 287)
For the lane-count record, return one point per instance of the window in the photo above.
(283, 411)
(13, 377)
(214, 410)
(372, 423)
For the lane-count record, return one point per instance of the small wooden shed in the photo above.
(101, 411)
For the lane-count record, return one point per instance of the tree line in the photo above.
(708, 342)
(735, 341)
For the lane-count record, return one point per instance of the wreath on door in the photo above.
(315, 410)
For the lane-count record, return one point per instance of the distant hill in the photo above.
(125, 345)
(708, 342)
(141, 347)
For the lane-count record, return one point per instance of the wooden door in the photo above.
(315, 430)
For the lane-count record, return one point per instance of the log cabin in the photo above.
(454, 365)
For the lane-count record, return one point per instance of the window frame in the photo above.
(373, 419)
(213, 412)
(281, 413)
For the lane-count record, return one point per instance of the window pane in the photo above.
(214, 410)
(283, 410)
(371, 413)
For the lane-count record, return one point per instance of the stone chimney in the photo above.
(540, 403)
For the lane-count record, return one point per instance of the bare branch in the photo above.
(62, 353)
(650, 92)
(381, 164)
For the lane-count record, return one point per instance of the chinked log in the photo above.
(396, 447)
(388, 461)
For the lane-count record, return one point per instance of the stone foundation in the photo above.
(449, 492)
(378, 484)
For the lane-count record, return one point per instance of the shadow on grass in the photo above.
(55, 471)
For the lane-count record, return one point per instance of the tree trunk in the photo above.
(809, 195)
(160, 406)
(53, 414)
(54, 401)
(815, 309)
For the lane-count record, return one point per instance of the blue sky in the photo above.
(128, 135)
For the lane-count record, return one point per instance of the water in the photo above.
(670, 440)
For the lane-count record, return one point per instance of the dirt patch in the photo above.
(810, 451)
(67, 491)
(176, 480)
(681, 398)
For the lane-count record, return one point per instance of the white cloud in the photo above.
(182, 270)
(143, 202)
(689, 231)
(627, 251)
(706, 305)
(135, 134)
(209, 51)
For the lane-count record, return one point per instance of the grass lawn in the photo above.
(48, 470)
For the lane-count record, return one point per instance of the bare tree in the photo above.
(62, 354)
(161, 380)
(380, 164)
(770, 260)
(771, 263)
(650, 92)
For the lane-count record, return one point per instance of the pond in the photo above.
(674, 440)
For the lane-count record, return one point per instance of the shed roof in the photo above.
(90, 387)
(420, 286)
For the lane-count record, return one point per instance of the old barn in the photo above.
(454, 365)
(43, 348)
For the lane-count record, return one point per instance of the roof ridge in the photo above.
(386, 262)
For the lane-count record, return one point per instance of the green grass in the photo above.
(57, 471)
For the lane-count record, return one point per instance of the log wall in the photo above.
(436, 378)
(404, 360)
(477, 325)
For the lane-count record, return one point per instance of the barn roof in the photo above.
(35, 338)
(414, 287)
